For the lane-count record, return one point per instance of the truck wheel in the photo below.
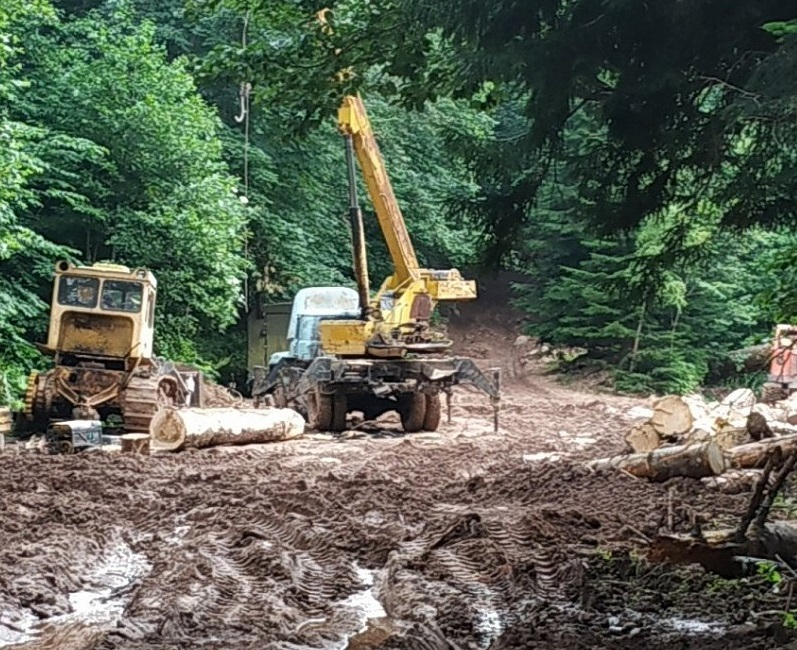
(341, 405)
(412, 411)
(280, 397)
(320, 411)
(431, 419)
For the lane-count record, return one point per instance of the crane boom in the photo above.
(353, 121)
(397, 320)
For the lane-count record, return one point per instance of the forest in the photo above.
(631, 163)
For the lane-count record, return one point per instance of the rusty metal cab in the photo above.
(102, 311)
(101, 340)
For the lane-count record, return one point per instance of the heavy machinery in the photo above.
(349, 351)
(100, 337)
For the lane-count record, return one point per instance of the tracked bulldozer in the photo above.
(100, 338)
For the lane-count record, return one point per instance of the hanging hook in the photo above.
(243, 96)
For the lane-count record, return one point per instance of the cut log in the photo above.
(695, 461)
(729, 436)
(173, 429)
(754, 454)
(642, 438)
(135, 443)
(672, 417)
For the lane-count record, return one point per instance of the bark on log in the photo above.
(135, 443)
(672, 417)
(695, 461)
(754, 454)
(643, 438)
(173, 429)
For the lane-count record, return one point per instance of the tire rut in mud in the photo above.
(471, 546)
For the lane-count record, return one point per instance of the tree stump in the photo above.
(135, 443)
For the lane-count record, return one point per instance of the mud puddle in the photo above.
(107, 589)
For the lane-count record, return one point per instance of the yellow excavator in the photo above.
(350, 351)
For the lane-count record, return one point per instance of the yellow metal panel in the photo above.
(96, 334)
(343, 337)
(452, 289)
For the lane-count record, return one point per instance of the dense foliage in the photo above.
(601, 149)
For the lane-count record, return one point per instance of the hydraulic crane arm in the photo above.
(354, 124)
(397, 320)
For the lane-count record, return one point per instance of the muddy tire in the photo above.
(280, 397)
(341, 405)
(431, 419)
(320, 412)
(412, 411)
(772, 392)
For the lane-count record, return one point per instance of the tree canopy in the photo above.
(632, 161)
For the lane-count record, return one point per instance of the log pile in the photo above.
(688, 436)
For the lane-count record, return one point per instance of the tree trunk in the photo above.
(5, 421)
(695, 461)
(754, 454)
(173, 429)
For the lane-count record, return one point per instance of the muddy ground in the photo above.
(460, 539)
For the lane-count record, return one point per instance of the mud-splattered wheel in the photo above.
(280, 397)
(412, 410)
(320, 411)
(431, 419)
(339, 410)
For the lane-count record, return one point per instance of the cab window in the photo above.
(78, 291)
(119, 295)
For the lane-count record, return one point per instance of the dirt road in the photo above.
(461, 539)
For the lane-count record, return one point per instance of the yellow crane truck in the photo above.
(350, 351)
(102, 321)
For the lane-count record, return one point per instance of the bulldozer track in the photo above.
(140, 403)
(38, 401)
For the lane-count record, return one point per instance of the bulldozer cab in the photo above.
(102, 311)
